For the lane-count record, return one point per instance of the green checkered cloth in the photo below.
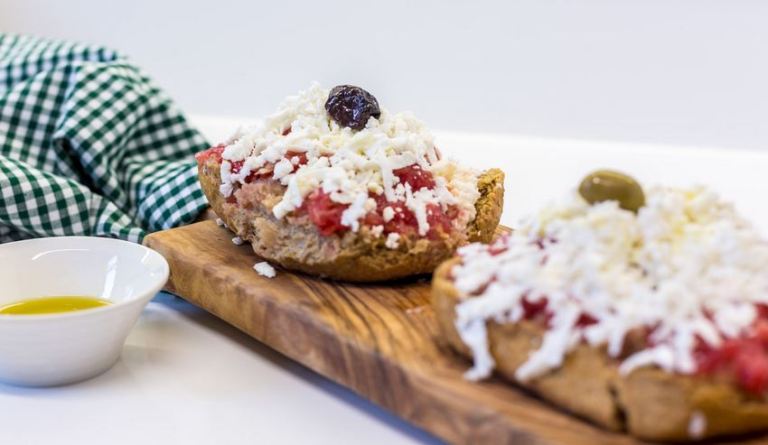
(89, 146)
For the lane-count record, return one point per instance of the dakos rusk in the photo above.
(642, 311)
(333, 186)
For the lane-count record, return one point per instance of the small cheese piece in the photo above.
(355, 211)
(237, 241)
(393, 241)
(377, 231)
(388, 214)
(282, 169)
(697, 425)
(265, 269)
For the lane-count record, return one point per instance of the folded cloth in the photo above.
(89, 146)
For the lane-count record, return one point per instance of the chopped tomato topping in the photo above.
(417, 177)
(266, 171)
(439, 219)
(255, 175)
(300, 156)
(499, 246)
(236, 166)
(213, 152)
(585, 320)
(762, 311)
(404, 220)
(533, 310)
(745, 358)
(324, 213)
(263, 173)
(761, 332)
(752, 368)
(497, 249)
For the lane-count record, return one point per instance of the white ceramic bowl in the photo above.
(57, 349)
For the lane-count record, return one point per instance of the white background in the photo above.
(692, 72)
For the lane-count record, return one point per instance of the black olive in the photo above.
(608, 185)
(351, 106)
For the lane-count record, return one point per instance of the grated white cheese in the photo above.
(686, 254)
(359, 207)
(283, 168)
(388, 214)
(377, 231)
(393, 241)
(417, 202)
(697, 425)
(265, 269)
(226, 189)
(347, 164)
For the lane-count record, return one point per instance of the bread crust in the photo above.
(295, 243)
(649, 403)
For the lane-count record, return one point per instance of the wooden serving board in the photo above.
(379, 340)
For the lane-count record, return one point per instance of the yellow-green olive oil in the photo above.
(52, 305)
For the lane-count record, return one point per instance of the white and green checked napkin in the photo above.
(89, 146)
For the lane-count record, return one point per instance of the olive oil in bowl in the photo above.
(52, 305)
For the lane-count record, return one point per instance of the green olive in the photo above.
(608, 185)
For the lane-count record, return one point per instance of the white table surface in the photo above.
(186, 377)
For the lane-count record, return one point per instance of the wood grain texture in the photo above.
(379, 340)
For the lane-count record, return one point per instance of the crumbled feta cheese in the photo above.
(377, 231)
(226, 190)
(388, 214)
(697, 425)
(474, 336)
(347, 164)
(417, 202)
(354, 212)
(237, 241)
(393, 241)
(282, 169)
(265, 269)
(686, 264)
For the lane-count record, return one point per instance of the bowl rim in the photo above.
(115, 306)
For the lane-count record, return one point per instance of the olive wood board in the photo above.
(379, 340)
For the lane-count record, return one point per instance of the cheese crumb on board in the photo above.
(265, 269)
(237, 241)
